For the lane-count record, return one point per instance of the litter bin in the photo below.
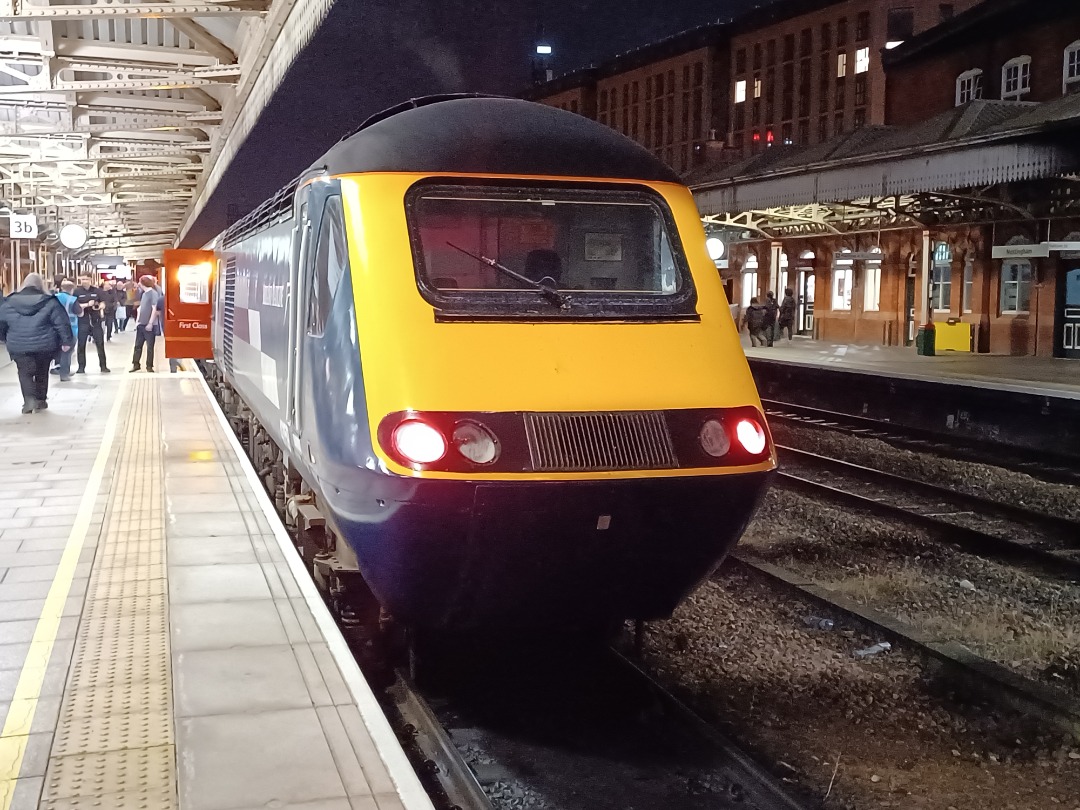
(926, 340)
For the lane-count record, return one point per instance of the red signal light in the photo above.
(751, 436)
(419, 442)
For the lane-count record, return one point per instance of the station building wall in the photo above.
(976, 293)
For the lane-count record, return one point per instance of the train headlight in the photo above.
(714, 439)
(475, 442)
(419, 442)
(751, 436)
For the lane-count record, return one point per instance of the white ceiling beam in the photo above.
(84, 49)
(204, 39)
(24, 10)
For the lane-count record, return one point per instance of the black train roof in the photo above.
(491, 135)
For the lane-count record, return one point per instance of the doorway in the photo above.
(909, 310)
(806, 302)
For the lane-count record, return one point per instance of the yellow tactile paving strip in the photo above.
(115, 744)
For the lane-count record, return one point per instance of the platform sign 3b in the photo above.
(24, 226)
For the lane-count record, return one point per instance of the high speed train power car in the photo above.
(487, 336)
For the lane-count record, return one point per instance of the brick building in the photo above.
(794, 72)
(968, 217)
(666, 96)
(968, 59)
(805, 71)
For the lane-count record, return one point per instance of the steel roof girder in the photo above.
(26, 10)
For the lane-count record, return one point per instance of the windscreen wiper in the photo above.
(549, 291)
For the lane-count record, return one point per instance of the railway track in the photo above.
(588, 730)
(1046, 466)
(978, 525)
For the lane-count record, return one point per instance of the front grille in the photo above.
(228, 315)
(572, 442)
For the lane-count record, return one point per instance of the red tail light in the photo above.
(751, 435)
(419, 442)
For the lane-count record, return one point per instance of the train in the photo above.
(484, 338)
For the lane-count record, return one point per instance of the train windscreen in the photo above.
(568, 251)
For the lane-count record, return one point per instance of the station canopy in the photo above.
(987, 161)
(121, 116)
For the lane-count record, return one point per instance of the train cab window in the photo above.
(331, 259)
(548, 252)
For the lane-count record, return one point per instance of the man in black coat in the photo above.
(93, 308)
(110, 297)
(36, 329)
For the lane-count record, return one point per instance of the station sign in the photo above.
(189, 281)
(863, 256)
(1063, 247)
(1021, 251)
(24, 226)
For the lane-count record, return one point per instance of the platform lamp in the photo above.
(541, 66)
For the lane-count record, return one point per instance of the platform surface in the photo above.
(160, 643)
(1047, 376)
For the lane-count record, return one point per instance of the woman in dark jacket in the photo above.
(36, 329)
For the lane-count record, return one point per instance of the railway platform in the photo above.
(161, 645)
(1046, 376)
(1031, 402)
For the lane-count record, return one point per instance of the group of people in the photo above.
(43, 328)
(767, 322)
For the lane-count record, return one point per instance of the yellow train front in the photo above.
(488, 334)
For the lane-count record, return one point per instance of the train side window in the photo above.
(331, 259)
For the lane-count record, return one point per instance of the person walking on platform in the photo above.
(146, 324)
(754, 322)
(90, 324)
(787, 315)
(110, 298)
(130, 303)
(67, 299)
(36, 329)
(771, 310)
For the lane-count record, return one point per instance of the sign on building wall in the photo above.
(1021, 251)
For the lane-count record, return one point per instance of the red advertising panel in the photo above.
(189, 277)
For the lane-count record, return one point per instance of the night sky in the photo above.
(372, 54)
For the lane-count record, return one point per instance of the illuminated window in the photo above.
(969, 86)
(862, 60)
(1016, 78)
(757, 88)
(749, 280)
(1015, 286)
(872, 284)
(1071, 74)
(843, 269)
(740, 91)
(941, 278)
(969, 283)
(841, 65)
(194, 281)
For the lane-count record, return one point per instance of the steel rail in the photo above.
(443, 762)
(993, 681)
(1021, 514)
(1051, 562)
(1042, 464)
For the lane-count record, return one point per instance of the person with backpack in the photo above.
(787, 314)
(754, 320)
(36, 328)
(70, 303)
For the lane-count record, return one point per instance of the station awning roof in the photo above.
(980, 144)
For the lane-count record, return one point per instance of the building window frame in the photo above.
(969, 285)
(1016, 78)
(841, 65)
(1070, 68)
(941, 278)
(1019, 285)
(749, 279)
(842, 277)
(872, 283)
(740, 91)
(862, 61)
(969, 86)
